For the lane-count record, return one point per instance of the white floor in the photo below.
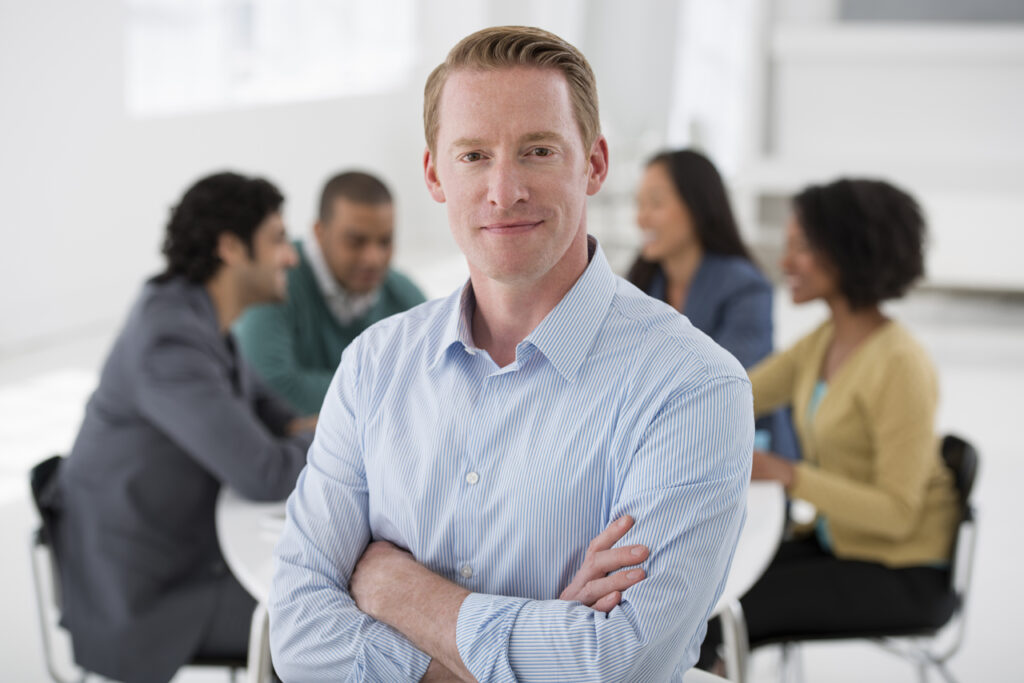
(977, 343)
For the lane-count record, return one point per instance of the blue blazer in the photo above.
(731, 302)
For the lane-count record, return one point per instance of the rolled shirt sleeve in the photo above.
(316, 631)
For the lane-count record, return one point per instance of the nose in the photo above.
(291, 259)
(506, 185)
(785, 260)
(377, 255)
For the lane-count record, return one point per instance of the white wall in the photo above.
(86, 190)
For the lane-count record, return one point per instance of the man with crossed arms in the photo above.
(469, 449)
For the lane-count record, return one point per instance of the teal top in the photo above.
(296, 345)
(821, 522)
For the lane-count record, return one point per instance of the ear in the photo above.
(230, 249)
(598, 165)
(430, 176)
(318, 232)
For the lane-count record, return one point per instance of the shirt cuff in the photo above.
(482, 635)
(387, 655)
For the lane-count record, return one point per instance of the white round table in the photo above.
(759, 540)
(248, 532)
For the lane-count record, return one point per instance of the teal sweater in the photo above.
(296, 346)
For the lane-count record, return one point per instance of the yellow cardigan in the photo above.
(871, 461)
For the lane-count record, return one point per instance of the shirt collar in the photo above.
(457, 330)
(344, 305)
(566, 334)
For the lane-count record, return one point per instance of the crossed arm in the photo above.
(398, 619)
(390, 586)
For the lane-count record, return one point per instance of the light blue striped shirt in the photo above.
(498, 478)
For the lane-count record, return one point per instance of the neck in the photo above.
(506, 312)
(852, 326)
(227, 300)
(679, 268)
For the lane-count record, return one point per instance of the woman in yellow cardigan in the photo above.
(864, 396)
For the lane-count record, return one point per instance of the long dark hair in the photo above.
(699, 185)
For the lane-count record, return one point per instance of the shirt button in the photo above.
(472, 478)
(466, 571)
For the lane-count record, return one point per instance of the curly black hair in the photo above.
(222, 202)
(871, 232)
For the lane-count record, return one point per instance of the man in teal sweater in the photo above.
(341, 286)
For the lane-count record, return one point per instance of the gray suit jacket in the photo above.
(177, 414)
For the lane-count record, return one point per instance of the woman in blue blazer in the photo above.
(694, 259)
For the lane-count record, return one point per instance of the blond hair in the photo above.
(509, 46)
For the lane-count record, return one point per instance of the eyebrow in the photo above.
(539, 136)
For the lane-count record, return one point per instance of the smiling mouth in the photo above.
(511, 228)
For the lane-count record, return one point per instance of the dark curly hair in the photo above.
(222, 202)
(700, 187)
(871, 232)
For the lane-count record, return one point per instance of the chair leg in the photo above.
(946, 674)
(259, 666)
(735, 642)
(791, 664)
(41, 564)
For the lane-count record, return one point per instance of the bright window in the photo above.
(185, 56)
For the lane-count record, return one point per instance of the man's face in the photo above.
(263, 277)
(509, 162)
(356, 242)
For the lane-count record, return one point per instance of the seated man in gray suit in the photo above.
(177, 415)
(342, 285)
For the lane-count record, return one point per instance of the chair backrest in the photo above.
(962, 460)
(42, 478)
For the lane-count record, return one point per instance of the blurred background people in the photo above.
(177, 415)
(342, 284)
(865, 394)
(693, 258)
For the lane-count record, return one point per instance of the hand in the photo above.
(594, 585)
(770, 466)
(372, 579)
(301, 424)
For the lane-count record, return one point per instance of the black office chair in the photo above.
(929, 647)
(46, 577)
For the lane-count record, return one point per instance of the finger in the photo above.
(608, 561)
(619, 581)
(606, 603)
(611, 534)
(600, 564)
